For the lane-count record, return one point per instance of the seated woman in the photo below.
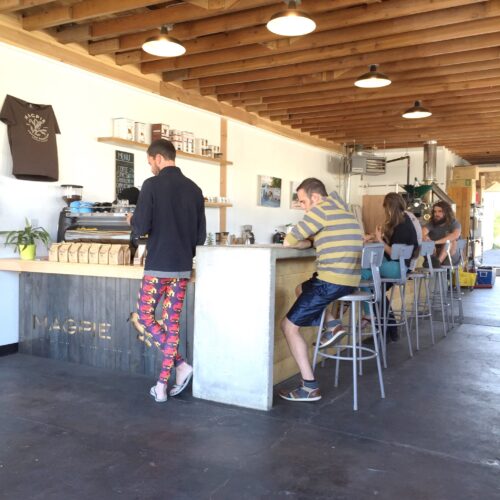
(398, 228)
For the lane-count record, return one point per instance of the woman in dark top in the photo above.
(398, 228)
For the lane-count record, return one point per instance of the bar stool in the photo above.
(419, 310)
(439, 279)
(453, 275)
(371, 258)
(401, 253)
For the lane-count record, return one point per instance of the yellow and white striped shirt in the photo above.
(338, 240)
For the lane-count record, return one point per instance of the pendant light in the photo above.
(417, 111)
(291, 22)
(164, 45)
(373, 79)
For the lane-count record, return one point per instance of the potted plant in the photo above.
(25, 239)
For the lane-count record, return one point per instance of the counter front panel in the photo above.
(86, 320)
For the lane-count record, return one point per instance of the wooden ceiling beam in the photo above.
(233, 38)
(473, 95)
(180, 95)
(380, 116)
(398, 88)
(466, 127)
(15, 5)
(380, 29)
(81, 11)
(464, 96)
(412, 92)
(388, 136)
(474, 124)
(393, 120)
(176, 14)
(213, 4)
(459, 72)
(381, 56)
(191, 21)
(438, 63)
(408, 39)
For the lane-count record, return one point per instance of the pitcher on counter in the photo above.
(330, 227)
(171, 211)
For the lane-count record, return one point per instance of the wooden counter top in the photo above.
(44, 266)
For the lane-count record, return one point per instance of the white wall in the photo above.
(85, 104)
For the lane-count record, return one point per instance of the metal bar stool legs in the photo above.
(419, 310)
(353, 351)
(403, 319)
(440, 283)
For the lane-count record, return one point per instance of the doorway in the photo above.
(491, 226)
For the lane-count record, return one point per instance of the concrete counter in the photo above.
(242, 292)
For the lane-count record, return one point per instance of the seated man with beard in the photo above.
(443, 226)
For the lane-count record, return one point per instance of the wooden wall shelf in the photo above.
(217, 205)
(117, 141)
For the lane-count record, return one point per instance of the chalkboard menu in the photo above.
(124, 163)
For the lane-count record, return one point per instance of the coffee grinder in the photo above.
(71, 192)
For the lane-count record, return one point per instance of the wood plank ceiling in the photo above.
(443, 52)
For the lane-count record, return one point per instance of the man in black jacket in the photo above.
(171, 211)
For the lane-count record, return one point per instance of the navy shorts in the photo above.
(316, 295)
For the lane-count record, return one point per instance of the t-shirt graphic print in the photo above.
(32, 130)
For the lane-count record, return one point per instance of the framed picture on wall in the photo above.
(269, 191)
(294, 199)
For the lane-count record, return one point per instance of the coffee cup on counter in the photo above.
(222, 238)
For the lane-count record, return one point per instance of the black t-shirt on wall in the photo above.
(32, 130)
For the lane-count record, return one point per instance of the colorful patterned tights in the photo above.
(164, 334)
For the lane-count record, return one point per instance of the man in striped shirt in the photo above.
(333, 230)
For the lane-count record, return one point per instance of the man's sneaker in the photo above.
(332, 336)
(302, 393)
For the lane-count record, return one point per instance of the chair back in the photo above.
(372, 258)
(401, 252)
(461, 244)
(427, 249)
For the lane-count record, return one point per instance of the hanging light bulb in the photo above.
(164, 45)
(291, 22)
(417, 111)
(373, 79)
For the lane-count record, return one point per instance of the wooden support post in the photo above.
(223, 172)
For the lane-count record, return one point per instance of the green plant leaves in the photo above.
(27, 236)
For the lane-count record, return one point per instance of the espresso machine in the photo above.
(92, 223)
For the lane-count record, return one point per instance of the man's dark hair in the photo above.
(447, 211)
(312, 185)
(162, 147)
(131, 194)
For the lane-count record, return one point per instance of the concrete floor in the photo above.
(74, 432)
(491, 257)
